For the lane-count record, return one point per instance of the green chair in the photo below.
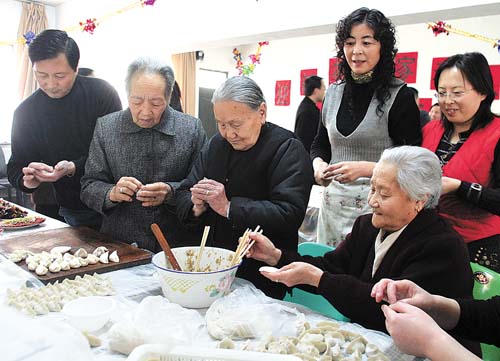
(486, 285)
(314, 302)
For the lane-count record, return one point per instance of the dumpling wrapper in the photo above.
(268, 269)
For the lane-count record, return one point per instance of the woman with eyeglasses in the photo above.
(466, 140)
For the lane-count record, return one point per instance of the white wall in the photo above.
(283, 59)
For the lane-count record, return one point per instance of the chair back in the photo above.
(315, 302)
(486, 285)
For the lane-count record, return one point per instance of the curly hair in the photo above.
(385, 33)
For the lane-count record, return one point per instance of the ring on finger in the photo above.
(120, 190)
(207, 192)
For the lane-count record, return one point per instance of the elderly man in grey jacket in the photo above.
(138, 157)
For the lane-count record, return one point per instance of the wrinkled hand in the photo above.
(346, 172)
(412, 330)
(263, 249)
(212, 193)
(153, 194)
(393, 291)
(449, 185)
(319, 173)
(124, 189)
(296, 273)
(36, 173)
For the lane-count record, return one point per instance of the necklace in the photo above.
(362, 78)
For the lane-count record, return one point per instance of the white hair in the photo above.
(240, 89)
(418, 172)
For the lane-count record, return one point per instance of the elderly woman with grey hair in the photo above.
(139, 156)
(403, 238)
(252, 173)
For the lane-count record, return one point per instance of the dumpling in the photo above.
(113, 257)
(104, 258)
(81, 252)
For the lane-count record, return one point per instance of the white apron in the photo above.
(342, 204)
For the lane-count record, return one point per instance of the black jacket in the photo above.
(306, 122)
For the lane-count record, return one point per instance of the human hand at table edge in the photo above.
(445, 311)
(414, 332)
(263, 249)
(296, 273)
(125, 189)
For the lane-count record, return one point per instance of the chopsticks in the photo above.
(169, 256)
(244, 245)
(206, 231)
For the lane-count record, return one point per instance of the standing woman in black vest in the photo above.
(366, 111)
(252, 173)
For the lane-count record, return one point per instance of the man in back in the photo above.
(308, 114)
(52, 129)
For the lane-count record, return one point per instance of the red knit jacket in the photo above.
(472, 163)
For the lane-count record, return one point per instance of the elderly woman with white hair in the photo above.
(403, 238)
(139, 156)
(252, 173)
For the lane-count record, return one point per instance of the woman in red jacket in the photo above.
(466, 140)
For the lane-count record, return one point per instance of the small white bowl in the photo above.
(89, 313)
(196, 289)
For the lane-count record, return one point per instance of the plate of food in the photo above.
(21, 222)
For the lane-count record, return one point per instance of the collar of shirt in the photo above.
(382, 246)
(165, 126)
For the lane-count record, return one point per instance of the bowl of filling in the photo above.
(196, 285)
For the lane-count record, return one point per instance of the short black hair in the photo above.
(311, 83)
(85, 71)
(50, 43)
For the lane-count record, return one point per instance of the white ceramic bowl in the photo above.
(196, 289)
(89, 313)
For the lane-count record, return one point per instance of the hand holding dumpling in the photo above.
(153, 194)
(125, 189)
(212, 193)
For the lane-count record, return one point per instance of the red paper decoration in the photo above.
(425, 103)
(282, 92)
(333, 70)
(406, 66)
(435, 65)
(304, 74)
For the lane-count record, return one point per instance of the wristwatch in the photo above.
(474, 192)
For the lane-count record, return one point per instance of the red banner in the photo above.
(425, 103)
(333, 70)
(304, 74)
(435, 65)
(406, 66)
(282, 92)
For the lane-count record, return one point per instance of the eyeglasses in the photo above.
(441, 95)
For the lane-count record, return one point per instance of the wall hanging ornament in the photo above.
(440, 27)
(247, 69)
(88, 25)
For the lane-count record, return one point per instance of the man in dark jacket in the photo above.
(53, 127)
(308, 114)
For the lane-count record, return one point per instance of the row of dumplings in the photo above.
(325, 342)
(59, 259)
(52, 297)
